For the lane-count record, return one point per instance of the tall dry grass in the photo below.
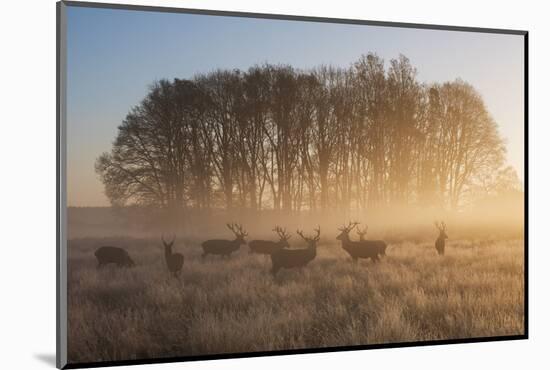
(235, 305)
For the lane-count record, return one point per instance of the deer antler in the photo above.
(164, 241)
(441, 226)
(350, 226)
(282, 233)
(237, 229)
(232, 228)
(318, 236)
(362, 232)
(307, 239)
(286, 235)
(301, 233)
(240, 230)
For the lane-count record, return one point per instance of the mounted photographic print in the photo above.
(236, 184)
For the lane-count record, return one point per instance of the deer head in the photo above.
(240, 234)
(442, 230)
(345, 230)
(362, 233)
(311, 241)
(168, 245)
(283, 236)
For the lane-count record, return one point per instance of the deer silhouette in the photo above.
(378, 245)
(440, 241)
(268, 246)
(362, 248)
(174, 261)
(116, 255)
(224, 247)
(292, 258)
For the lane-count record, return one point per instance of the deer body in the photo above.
(225, 247)
(268, 246)
(440, 241)
(174, 261)
(293, 258)
(220, 247)
(362, 248)
(116, 255)
(265, 246)
(378, 245)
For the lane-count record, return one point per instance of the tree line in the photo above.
(327, 138)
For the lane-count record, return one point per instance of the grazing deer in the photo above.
(268, 246)
(174, 261)
(116, 255)
(440, 241)
(291, 258)
(225, 247)
(362, 248)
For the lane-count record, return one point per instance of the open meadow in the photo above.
(232, 305)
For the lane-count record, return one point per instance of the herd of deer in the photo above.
(279, 251)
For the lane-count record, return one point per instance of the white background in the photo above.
(27, 182)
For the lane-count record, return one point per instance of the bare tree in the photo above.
(327, 138)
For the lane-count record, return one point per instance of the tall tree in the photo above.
(326, 138)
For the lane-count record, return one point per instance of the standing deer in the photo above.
(378, 245)
(174, 261)
(291, 258)
(440, 241)
(224, 247)
(116, 255)
(362, 248)
(268, 246)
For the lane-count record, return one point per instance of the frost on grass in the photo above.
(235, 305)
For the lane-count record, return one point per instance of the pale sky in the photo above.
(115, 55)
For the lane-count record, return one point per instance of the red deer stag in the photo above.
(360, 249)
(268, 246)
(379, 245)
(224, 247)
(174, 261)
(291, 258)
(440, 242)
(116, 255)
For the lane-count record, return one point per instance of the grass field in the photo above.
(235, 305)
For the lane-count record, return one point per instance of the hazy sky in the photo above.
(114, 55)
